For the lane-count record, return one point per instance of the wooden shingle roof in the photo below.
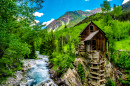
(91, 35)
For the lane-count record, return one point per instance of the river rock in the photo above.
(62, 84)
(47, 81)
(46, 61)
(44, 84)
(51, 84)
(48, 64)
(52, 73)
(14, 81)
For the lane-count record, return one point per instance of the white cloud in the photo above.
(125, 1)
(88, 10)
(38, 14)
(48, 22)
(86, 0)
(109, 0)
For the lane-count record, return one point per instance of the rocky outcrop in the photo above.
(11, 81)
(114, 73)
(71, 77)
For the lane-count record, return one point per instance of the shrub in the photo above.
(62, 62)
(110, 83)
(81, 71)
(124, 60)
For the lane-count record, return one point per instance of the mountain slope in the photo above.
(69, 19)
(126, 7)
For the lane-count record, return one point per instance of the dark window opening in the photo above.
(93, 44)
(99, 48)
(91, 28)
(94, 47)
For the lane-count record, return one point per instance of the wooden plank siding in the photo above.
(100, 42)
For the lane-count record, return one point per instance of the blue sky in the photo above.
(53, 9)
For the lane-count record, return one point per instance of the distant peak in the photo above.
(125, 1)
(97, 10)
(74, 11)
(79, 10)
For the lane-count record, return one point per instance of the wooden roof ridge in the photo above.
(88, 25)
(91, 35)
(85, 28)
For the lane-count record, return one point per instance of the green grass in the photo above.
(123, 44)
(61, 27)
(74, 22)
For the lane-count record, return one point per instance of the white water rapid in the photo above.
(37, 72)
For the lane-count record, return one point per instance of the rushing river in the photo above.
(37, 73)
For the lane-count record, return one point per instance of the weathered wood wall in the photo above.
(100, 42)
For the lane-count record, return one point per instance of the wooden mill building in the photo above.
(92, 39)
(93, 43)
